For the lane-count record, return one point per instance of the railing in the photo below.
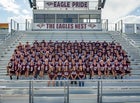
(93, 91)
(132, 42)
(28, 26)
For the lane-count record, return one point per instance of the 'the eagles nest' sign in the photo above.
(67, 26)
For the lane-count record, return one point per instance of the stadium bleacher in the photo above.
(134, 39)
(2, 37)
(86, 62)
(40, 94)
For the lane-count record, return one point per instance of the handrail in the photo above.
(8, 35)
(86, 80)
(99, 87)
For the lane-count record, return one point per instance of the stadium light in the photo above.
(101, 4)
(32, 4)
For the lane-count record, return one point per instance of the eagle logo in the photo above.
(49, 3)
(92, 25)
(40, 25)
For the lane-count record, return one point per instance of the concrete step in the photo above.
(121, 99)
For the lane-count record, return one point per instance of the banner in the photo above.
(129, 28)
(66, 4)
(138, 28)
(67, 26)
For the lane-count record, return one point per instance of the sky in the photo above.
(114, 10)
(126, 10)
(18, 10)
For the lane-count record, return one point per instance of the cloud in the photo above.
(116, 9)
(24, 11)
(10, 6)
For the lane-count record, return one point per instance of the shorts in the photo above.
(118, 72)
(12, 72)
(95, 72)
(22, 72)
(102, 72)
(88, 72)
(31, 72)
(37, 72)
(51, 78)
(110, 71)
(127, 72)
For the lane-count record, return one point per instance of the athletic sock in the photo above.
(11, 77)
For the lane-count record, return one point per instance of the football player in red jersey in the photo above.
(81, 76)
(51, 76)
(109, 68)
(125, 68)
(101, 68)
(118, 69)
(94, 68)
(59, 74)
(73, 75)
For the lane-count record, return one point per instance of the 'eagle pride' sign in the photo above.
(66, 4)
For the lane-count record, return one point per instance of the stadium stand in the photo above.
(111, 89)
(67, 55)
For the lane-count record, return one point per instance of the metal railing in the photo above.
(98, 90)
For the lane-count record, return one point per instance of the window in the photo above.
(95, 16)
(59, 21)
(38, 20)
(88, 18)
(60, 16)
(44, 18)
(67, 18)
(39, 16)
(84, 16)
(72, 16)
(49, 20)
(50, 16)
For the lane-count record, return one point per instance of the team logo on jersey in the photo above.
(40, 25)
(92, 25)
